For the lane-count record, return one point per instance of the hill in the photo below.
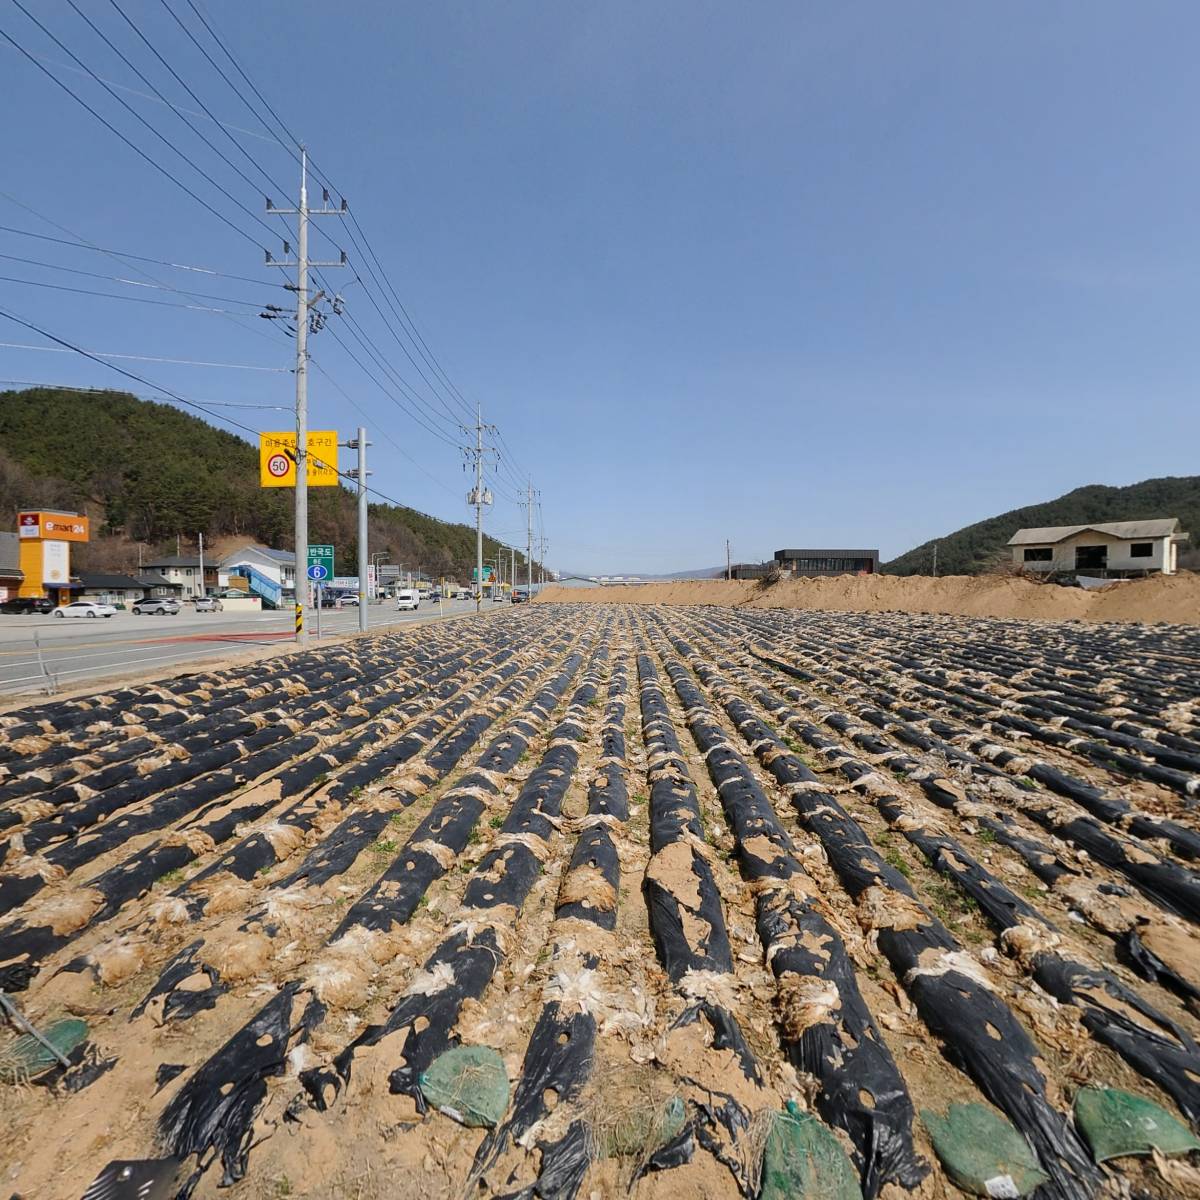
(979, 547)
(148, 473)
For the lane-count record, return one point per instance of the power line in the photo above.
(156, 99)
(416, 416)
(66, 387)
(182, 83)
(70, 348)
(370, 256)
(185, 362)
(427, 354)
(62, 287)
(164, 287)
(364, 339)
(159, 262)
(294, 141)
(114, 130)
(382, 430)
(80, 240)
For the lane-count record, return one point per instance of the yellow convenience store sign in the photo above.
(277, 458)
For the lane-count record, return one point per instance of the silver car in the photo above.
(209, 604)
(157, 607)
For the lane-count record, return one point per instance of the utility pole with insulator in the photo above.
(529, 539)
(360, 444)
(479, 496)
(303, 303)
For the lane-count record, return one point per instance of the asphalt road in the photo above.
(75, 650)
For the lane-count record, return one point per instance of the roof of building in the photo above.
(282, 556)
(1162, 527)
(10, 556)
(175, 560)
(149, 579)
(825, 553)
(108, 581)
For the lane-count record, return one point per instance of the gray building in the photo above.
(828, 562)
(11, 575)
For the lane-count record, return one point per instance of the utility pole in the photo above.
(360, 443)
(478, 496)
(935, 550)
(728, 564)
(529, 541)
(512, 567)
(303, 304)
(203, 590)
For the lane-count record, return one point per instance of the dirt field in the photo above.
(1175, 599)
(663, 871)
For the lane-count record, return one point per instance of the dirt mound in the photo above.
(1175, 599)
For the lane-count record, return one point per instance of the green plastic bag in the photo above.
(804, 1161)
(1117, 1123)
(982, 1153)
(469, 1084)
(26, 1058)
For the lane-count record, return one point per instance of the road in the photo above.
(79, 649)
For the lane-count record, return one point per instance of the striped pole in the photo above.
(299, 621)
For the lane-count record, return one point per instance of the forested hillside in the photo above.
(981, 546)
(148, 473)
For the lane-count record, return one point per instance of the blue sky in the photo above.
(791, 274)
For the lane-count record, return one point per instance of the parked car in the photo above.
(349, 598)
(408, 598)
(464, 594)
(208, 604)
(85, 608)
(159, 606)
(498, 596)
(28, 604)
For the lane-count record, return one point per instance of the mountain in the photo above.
(148, 473)
(979, 547)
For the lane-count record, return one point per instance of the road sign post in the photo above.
(320, 570)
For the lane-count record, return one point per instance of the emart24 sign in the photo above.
(277, 459)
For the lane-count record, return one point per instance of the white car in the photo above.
(408, 598)
(85, 608)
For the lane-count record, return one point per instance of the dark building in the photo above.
(828, 562)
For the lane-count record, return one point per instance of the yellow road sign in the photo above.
(277, 458)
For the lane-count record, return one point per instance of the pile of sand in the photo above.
(1160, 598)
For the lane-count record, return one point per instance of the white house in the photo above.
(184, 572)
(1115, 550)
(279, 566)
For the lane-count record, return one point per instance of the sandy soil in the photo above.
(268, 929)
(1175, 599)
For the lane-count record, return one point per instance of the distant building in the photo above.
(271, 574)
(109, 589)
(158, 587)
(828, 562)
(11, 575)
(1114, 550)
(183, 571)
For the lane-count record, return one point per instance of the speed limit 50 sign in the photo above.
(277, 459)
